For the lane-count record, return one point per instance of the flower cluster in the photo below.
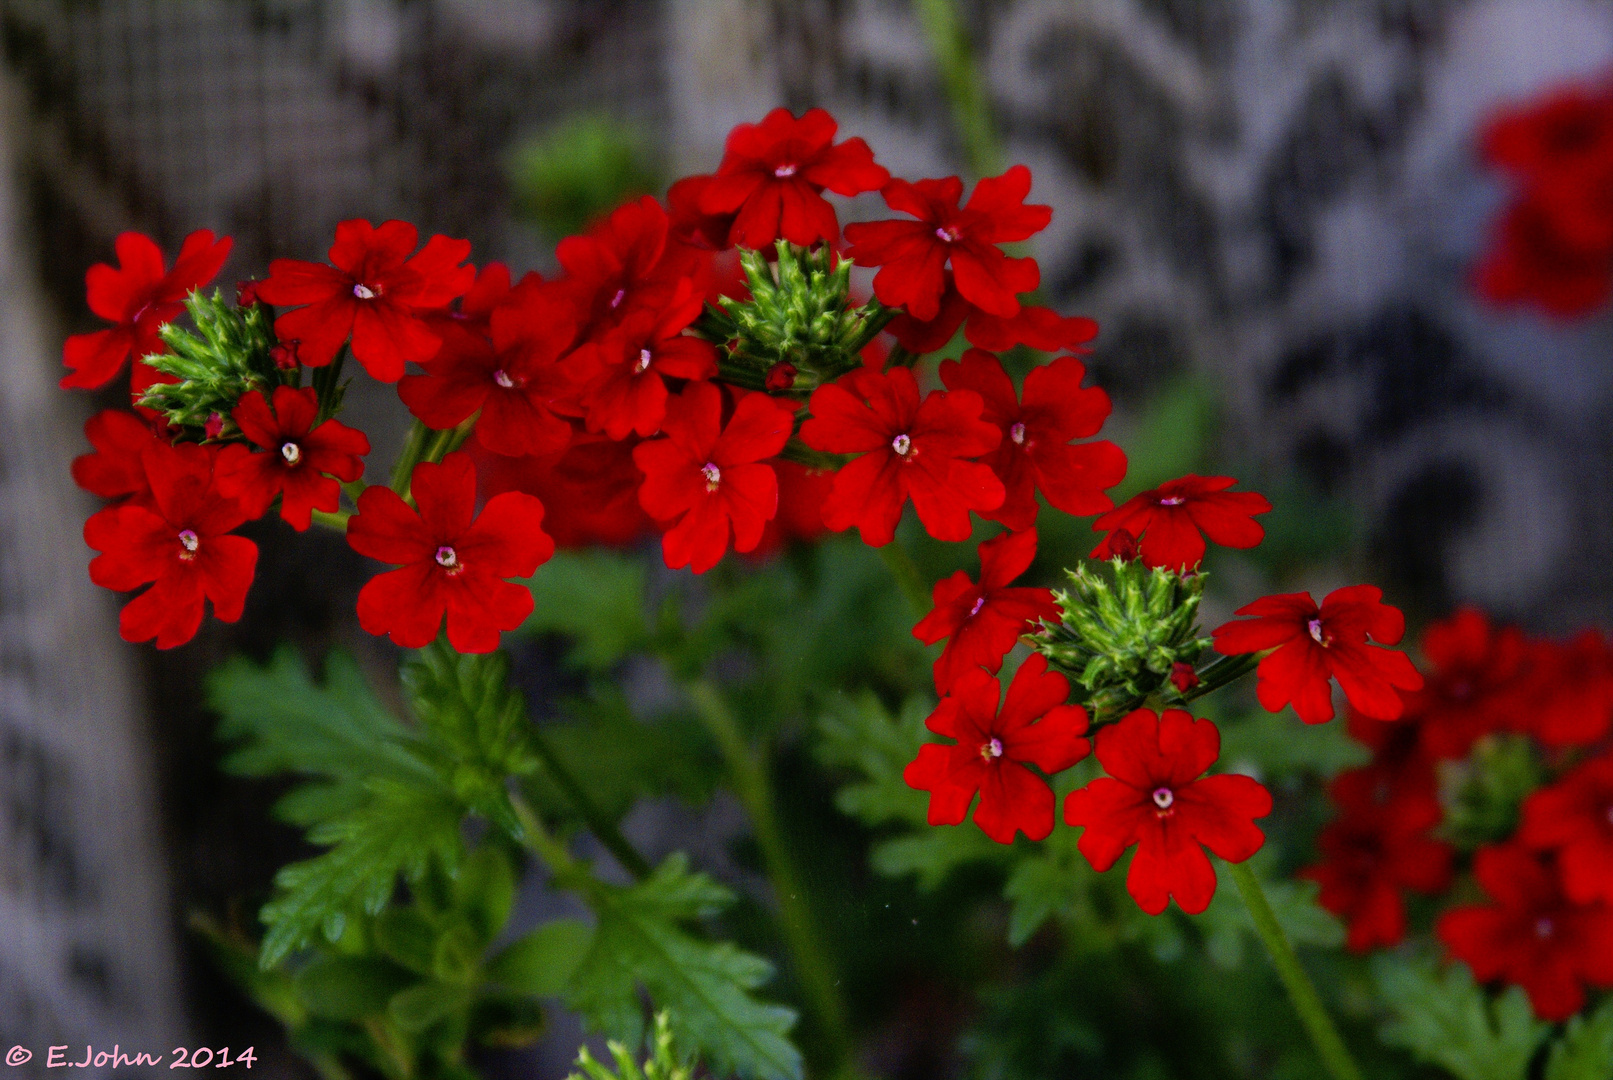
(1553, 244)
(1499, 762)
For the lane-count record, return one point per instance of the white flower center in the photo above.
(1164, 797)
(1315, 627)
(364, 292)
(447, 557)
(502, 377)
(616, 301)
(190, 542)
(785, 171)
(979, 603)
(712, 474)
(902, 445)
(947, 234)
(291, 452)
(1544, 928)
(1017, 433)
(992, 749)
(1173, 500)
(643, 364)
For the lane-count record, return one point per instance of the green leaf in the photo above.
(858, 734)
(638, 943)
(424, 1004)
(348, 987)
(542, 963)
(406, 936)
(1227, 927)
(1038, 888)
(1277, 746)
(1585, 1051)
(1446, 1020)
(397, 831)
(595, 598)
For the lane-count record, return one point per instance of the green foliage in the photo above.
(596, 598)
(226, 357)
(585, 167)
(1447, 1020)
(1483, 793)
(1228, 929)
(1585, 1051)
(1278, 745)
(639, 942)
(662, 1064)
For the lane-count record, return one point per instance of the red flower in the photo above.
(1568, 691)
(1035, 726)
(1157, 797)
(1183, 677)
(801, 495)
(1574, 817)
(1035, 450)
(710, 476)
(1530, 261)
(515, 379)
(912, 254)
(376, 291)
(474, 310)
(1532, 935)
(1476, 685)
(1401, 762)
(637, 358)
(178, 540)
(296, 456)
(908, 448)
(1167, 521)
(139, 296)
(690, 224)
(622, 265)
(1374, 849)
(115, 469)
(1035, 327)
(454, 561)
(984, 621)
(1316, 644)
(773, 173)
(590, 490)
(1568, 127)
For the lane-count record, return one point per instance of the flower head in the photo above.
(1171, 522)
(909, 449)
(1574, 817)
(1034, 327)
(992, 748)
(1531, 935)
(709, 477)
(179, 541)
(454, 562)
(375, 291)
(1157, 797)
(1036, 452)
(138, 296)
(589, 490)
(634, 361)
(773, 174)
(295, 456)
(1478, 676)
(982, 621)
(621, 266)
(1317, 644)
(115, 470)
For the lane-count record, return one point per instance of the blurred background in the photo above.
(1271, 206)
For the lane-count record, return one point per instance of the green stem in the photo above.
(353, 489)
(1224, 671)
(748, 773)
(1301, 991)
(799, 452)
(604, 830)
(337, 520)
(901, 357)
(413, 447)
(327, 383)
(537, 838)
(965, 88)
(909, 578)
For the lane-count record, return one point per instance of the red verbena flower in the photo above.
(710, 476)
(1167, 521)
(296, 456)
(1568, 691)
(802, 492)
(773, 174)
(474, 310)
(636, 359)
(1401, 761)
(1034, 327)
(115, 469)
(1034, 726)
(516, 378)
(982, 622)
(138, 296)
(1566, 128)
(692, 225)
(1317, 644)
(911, 255)
(1477, 681)
(1036, 451)
(908, 449)
(1184, 677)
(1373, 850)
(1157, 797)
(376, 292)
(622, 265)
(1530, 261)
(178, 540)
(589, 490)
(454, 562)
(1574, 817)
(1532, 935)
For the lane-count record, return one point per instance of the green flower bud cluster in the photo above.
(661, 1065)
(224, 358)
(799, 329)
(1118, 640)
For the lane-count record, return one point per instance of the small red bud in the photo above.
(1183, 677)
(284, 354)
(1122, 545)
(246, 294)
(214, 426)
(781, 376)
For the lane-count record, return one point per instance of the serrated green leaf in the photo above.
(858, 734)
(707, 985)
(542, 962)
(1228, 929)
(1585, 1051)
(597, 599)
(1447, 1020)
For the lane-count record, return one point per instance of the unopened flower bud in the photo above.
(1123, 545)
(284, 354)
(781, 376)
(246, 294)
(214, 426)
(1183, 677)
